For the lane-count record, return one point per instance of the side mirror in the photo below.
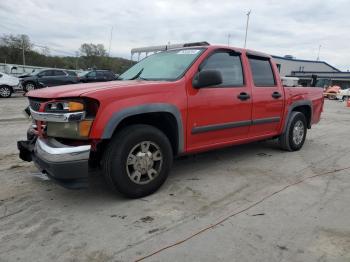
(207, 78)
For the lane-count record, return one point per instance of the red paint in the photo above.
(198, 107)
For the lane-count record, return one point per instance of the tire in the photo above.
(294, 137)
(332, 97)
(5, 91)
(29, 86)
(137, 160)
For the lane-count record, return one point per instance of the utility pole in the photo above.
(110, 42)
(318, 54)
(246, 29)
(228, 39)
(23, 56)
(76, 60)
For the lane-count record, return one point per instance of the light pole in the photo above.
(228, 39)
(23, 55)
(318, 54)
(110, 42)
(246, 29)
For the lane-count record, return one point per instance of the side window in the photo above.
(107, 74)
(0, 75)
(46, 73)
(262, 72)
(92, 74)
(230, 66)
(59, 73)
(100, 74)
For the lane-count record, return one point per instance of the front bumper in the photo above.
(67, 165)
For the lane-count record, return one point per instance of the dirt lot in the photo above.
(309, 221)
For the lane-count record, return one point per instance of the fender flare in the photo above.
(294, 105)
(119, 116)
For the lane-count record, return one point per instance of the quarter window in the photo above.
(262, 72)
(230, 66)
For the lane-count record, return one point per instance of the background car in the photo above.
(48, 77)
(97, 76)
(8, 85)
(343, 94)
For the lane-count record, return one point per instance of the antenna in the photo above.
(246, 28)
(228, 39)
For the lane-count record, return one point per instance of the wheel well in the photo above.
(306, 110)
(164, 121)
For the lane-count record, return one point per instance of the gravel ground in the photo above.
(309, 221)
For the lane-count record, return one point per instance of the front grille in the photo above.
(34, 105)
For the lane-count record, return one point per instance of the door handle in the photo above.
(276, 95)
(243, 96)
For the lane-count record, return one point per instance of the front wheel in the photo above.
(137, 160)
(294, 137)
(5, 91)
(28, 87)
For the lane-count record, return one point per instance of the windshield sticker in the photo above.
(188, 52)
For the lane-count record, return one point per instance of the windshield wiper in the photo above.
(137, 75)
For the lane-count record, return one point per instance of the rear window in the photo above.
(262, 72)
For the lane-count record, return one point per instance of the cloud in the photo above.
(277, 27)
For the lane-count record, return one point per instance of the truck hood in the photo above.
(84, 89)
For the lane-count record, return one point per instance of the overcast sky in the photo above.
(276, 27)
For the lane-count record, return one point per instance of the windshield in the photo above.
(168, 65)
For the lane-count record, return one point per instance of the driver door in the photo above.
(220, 114)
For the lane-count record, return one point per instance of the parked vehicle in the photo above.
(290, 81)
(343, 94)
(8, 85)
(97, 76)
(48, 77)
(331, 92)
(180, 101)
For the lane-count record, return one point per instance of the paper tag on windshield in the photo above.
(188, 52)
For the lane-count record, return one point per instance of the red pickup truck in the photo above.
(176, 102)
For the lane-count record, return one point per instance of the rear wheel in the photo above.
(138, 160)
(294, 137)
(5, 91)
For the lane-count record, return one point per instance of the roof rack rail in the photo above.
(160, 48)
(203, 43)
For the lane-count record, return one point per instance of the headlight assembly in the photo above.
(64, 106)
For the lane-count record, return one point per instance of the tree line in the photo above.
(19, 49)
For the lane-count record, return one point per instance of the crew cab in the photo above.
(180, 101)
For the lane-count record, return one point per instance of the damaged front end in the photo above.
(58, 139)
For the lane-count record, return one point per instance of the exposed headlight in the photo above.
(64, 106)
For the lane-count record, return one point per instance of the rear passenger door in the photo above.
(61, 78)
(46, 78)
(268, 97)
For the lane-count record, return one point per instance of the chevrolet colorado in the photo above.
(176, 102)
